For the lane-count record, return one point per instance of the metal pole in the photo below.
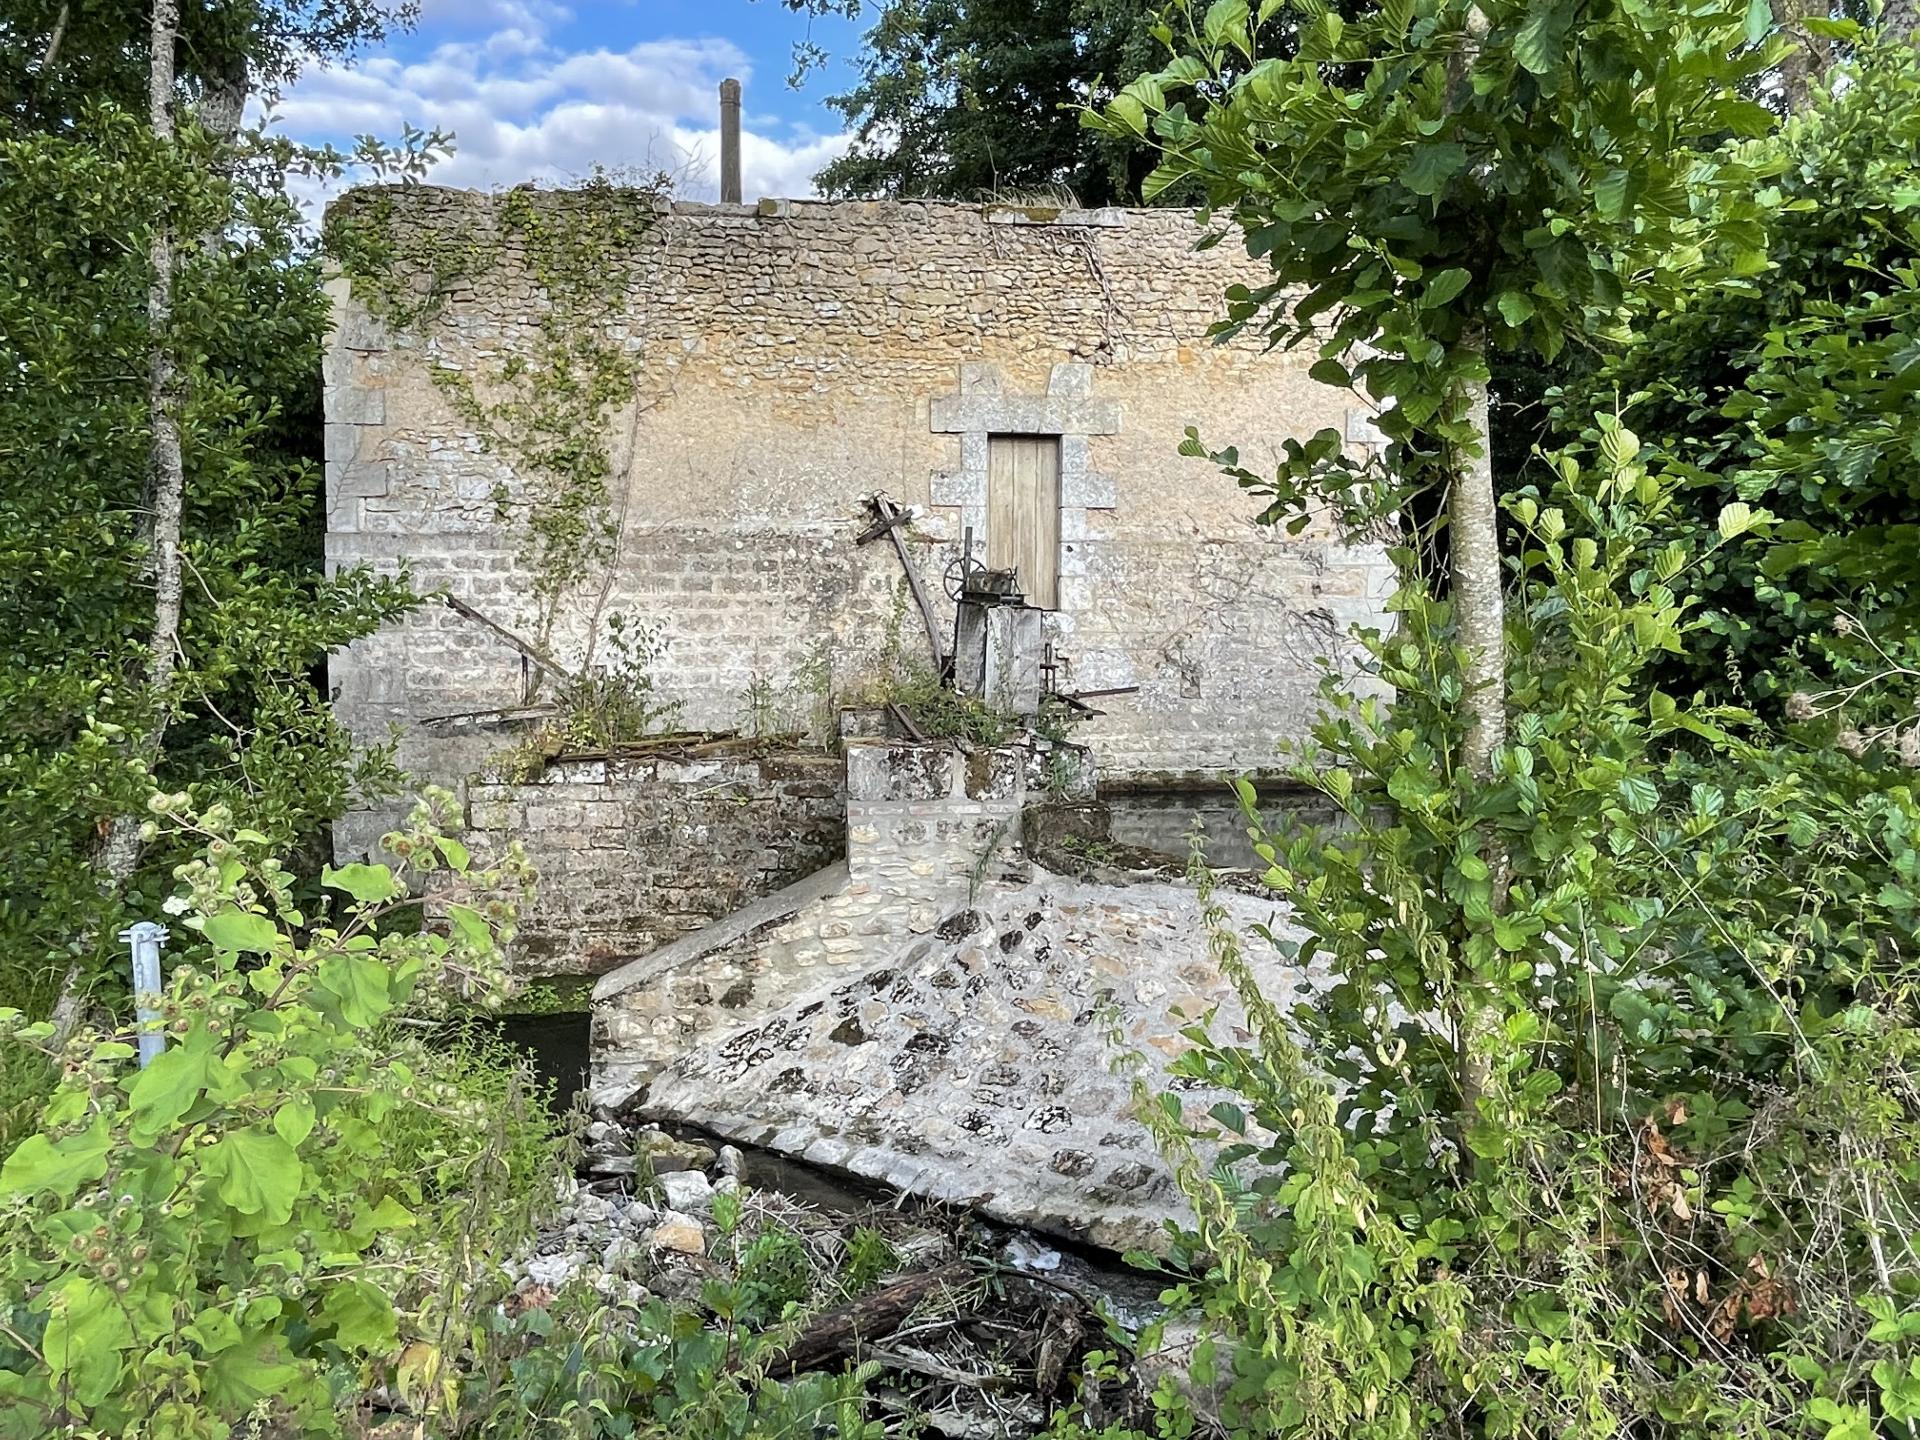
(146, 938)
(729, 142)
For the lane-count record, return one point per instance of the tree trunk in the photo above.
(1478, 590)
(1901, 20)
(1794, 69)
(120, 847)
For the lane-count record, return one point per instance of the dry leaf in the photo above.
(1658, 1148)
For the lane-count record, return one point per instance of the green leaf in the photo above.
(1846, 31)
(1230, 1116)
(1512, 934)
(1611, 192)
(362, 1317)
(240, 930)
(213, 1330)
(1432, 165)
(1516, 307)
(360, 986)
(293, 1121)
(1128, 110)
(241, 1377)
(87, 1329)
(38, 1164)
(1226, 21)
(1734, 520)
(1759, 20)
(166, 1090)
(1748, 118)
(259, 1173)
(1541, 43)
(1331, 372)
(471, 924)
(1638, 794)
(1444, 287)
(366, 883)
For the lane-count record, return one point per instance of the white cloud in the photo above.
(522, 109)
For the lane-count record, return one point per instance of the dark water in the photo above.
(560, 1044)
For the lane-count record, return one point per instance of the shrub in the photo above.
(305, 1194)
(1679, 1203)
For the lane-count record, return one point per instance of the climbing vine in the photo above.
(541, 399)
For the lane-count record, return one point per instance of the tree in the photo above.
(1448, 179)
(160, 577)
(1787, 386)
(1617, 1002)
(960, 99)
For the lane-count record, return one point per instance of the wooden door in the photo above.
(1023, 513)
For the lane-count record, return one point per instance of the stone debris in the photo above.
(680, 1233)
(686, 1190)
(983, 1330)
(664, 1155)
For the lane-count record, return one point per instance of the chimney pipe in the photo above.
(730, 142)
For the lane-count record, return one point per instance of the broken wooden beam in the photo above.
(847, 1328)
(496, 715)
(891, 519)
(526, 648)
(880, 527)
(905, 721)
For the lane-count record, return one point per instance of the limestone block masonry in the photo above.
(635, 853)
(927, 827)
(790, 360)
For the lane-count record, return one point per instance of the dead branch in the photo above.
(850, 1327)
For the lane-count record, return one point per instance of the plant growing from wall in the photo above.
(604, 706)
(302, 1193)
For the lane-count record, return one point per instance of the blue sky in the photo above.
(541, 90)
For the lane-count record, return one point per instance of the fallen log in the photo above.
(843, 1330)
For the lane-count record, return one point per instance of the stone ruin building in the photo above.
(813, 928)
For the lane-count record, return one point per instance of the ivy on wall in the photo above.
(543, 402)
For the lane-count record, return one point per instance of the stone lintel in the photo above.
(984, 414)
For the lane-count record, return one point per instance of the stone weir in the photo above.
(941, 1013)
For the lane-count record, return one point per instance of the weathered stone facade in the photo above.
(791, 360)
(634, 853)
(935, 1010)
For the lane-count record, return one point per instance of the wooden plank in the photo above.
(1023, 513)
(905, 722)
(531, 652)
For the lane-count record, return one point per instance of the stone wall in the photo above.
(928, 825)
(794, 358)
(988, 1062)
(633, 854)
